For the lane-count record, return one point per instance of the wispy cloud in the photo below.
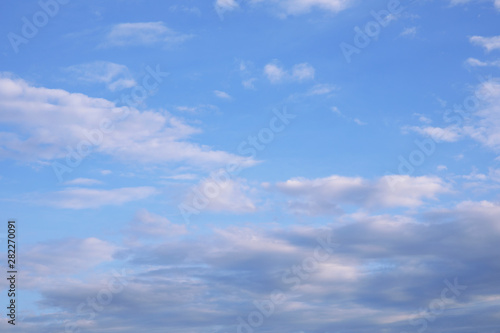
(144, 33)
(222, 94)
(83, 181)
(439, 134)
(496, 3)
(82, 198)
(284, 8)
(222, 6)
(115, 76)
(478, 63)
(409, 32)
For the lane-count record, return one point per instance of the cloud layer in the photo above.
(231, 272)
(55, 124)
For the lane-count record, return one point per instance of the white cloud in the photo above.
(182, 176)
(298, 7)
(115, 76)
(446, 134)
(483, 123)
(326, 195)
(249, 84)
(144, 33)
(304, 71)
(222, 94)
(148, 224)
(409, 32)
(82, 198)
(359, 122)
(232, 195)
(336, 111)
(489, 43)
(478, 63)
(45, 122)
(83, 181)
(275, 73)
(496, 3)
(185, 9)
(486, 125)
(339, 113)
(321, 89)
(381, 266)
(67, 256)
(222, 6)
(422, 118)
(197, 108)
(474, 175)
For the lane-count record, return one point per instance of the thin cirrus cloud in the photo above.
(483, 124)
(287, 7)
(43, 123)
(83, 198)
(83, 181)
(114, 76)
(327, 195)
(275, 73)
(222, 94)
(496, 3)
(142, 33)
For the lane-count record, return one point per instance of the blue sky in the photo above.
(303, 166)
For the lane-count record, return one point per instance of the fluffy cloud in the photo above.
(489, 43)
(326, 195)
(274, 73)
(300, 72)
(47, 124)
(231, 195)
